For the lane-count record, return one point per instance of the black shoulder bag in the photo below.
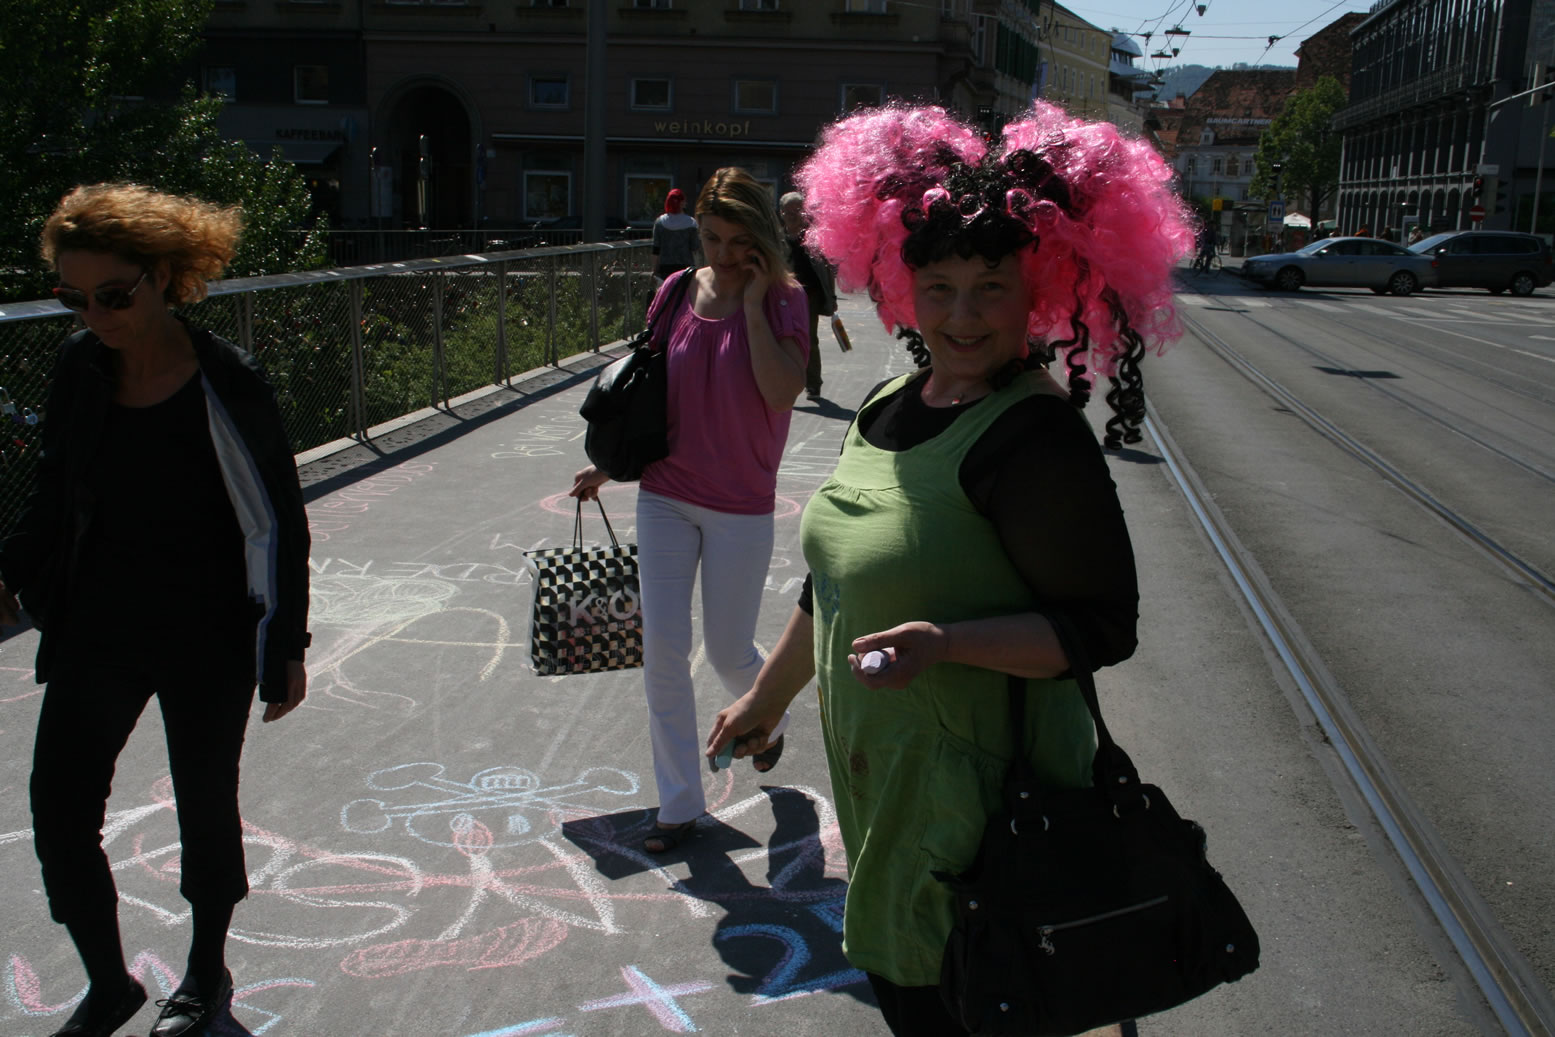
(1089, 906)
(626, 407)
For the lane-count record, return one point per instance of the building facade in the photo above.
(1077, 64)
(1128, 85)
(470, 113)
(1434, 132)
(1212, 140)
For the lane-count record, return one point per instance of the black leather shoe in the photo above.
(96, 1020)
(187, 1013)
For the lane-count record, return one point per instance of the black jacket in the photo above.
(40, 559)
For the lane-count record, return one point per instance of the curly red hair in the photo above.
(196, 238)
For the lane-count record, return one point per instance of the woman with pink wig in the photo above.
(971, 539)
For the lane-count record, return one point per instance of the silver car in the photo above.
(1371, 263)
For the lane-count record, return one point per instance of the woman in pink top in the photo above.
(736, 360)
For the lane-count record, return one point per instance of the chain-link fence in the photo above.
(353, 347)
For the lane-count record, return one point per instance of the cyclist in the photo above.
(1208, 242)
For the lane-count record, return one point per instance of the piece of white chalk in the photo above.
(874, 662)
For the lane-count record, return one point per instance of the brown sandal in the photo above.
(666, 838)
(768, 756)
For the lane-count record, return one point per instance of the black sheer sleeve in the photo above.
(1040, 477)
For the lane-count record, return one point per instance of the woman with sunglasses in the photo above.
(163, 552)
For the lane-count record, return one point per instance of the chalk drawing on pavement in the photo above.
(441, 810)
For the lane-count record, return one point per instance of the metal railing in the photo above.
(353, 247)
(351, 348)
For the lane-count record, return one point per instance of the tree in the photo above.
(90, 90)
(1307, 150)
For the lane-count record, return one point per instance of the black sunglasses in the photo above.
(108, 298)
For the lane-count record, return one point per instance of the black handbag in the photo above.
(626, 407)
(1086, 907)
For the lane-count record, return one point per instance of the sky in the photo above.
(1229, 31)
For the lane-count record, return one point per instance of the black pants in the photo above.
(86, 718)
(812, 373)
(913, 1011)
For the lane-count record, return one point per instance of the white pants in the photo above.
(735, 552)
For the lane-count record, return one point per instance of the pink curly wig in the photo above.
(1098, 226)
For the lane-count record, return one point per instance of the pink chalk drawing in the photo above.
(506, 947)
(659, 1000)
(329, 514)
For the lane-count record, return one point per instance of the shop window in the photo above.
(547, 194)
(645, 196)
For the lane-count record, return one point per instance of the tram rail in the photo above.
(1514, 994)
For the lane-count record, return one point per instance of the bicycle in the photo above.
(1206, 261)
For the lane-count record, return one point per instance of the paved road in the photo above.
(440, 842)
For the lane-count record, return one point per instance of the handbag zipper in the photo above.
(1049, 930)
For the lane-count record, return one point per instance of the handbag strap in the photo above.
(577, 524)
(1111, 768)
(672, 304)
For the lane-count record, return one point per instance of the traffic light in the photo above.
(1479, 187)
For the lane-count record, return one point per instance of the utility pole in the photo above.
(591, 199)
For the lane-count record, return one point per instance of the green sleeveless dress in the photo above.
(890, 538)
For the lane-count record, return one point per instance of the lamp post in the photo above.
(1278, 167)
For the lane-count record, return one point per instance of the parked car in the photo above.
(1492, 259)
(1371, 263)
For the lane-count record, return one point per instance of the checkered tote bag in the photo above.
(588, 613)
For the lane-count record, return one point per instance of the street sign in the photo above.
(1476, 213)
(1276, 212)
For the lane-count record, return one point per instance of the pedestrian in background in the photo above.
(815, 276)
(163, 551)
(971, 532)
(1416, 234)
(736, 360)
(675, 240)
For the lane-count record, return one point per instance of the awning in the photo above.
(1296, 219)
(297, 152)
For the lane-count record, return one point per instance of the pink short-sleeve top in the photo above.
(725, 442)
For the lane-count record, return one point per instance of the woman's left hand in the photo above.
(760, 278)
(296, 691)
(916, 646)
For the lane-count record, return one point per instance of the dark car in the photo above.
(1371, 263)
(1494, 259)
